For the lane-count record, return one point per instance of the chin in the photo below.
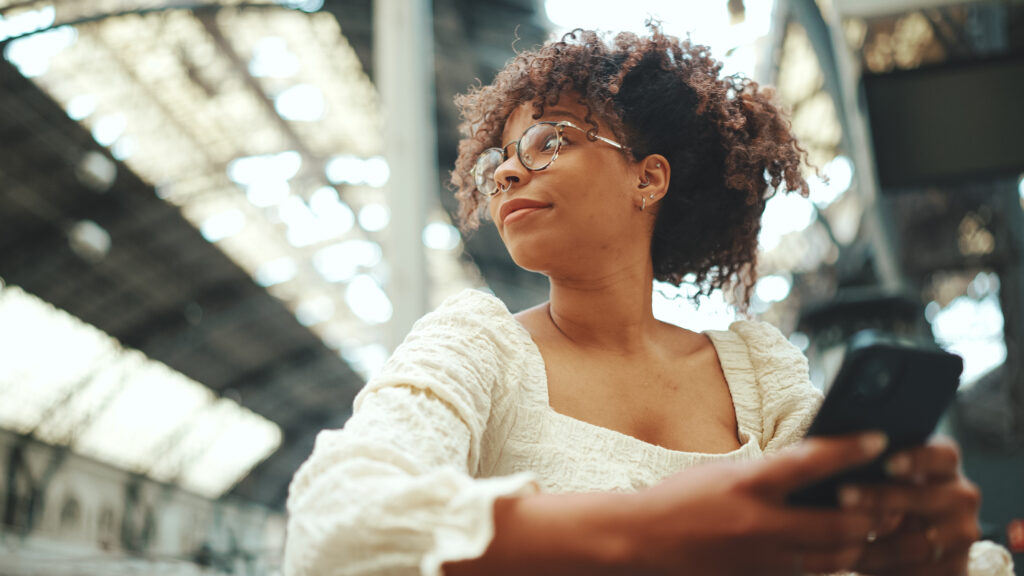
(532, 253)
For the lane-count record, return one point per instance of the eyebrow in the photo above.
(560, 112)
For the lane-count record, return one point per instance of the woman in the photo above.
(584, 436)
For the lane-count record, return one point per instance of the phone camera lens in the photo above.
(875, 379)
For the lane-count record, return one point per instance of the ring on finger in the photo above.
(932, 536)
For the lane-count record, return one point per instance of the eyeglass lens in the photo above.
(536, 149)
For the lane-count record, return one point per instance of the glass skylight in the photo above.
(259, 180)
(27, 21)
(117, 405)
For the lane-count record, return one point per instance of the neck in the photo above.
(610, 312)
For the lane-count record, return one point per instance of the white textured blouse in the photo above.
(459, 416)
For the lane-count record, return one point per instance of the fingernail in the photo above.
(898, 465)
(874, 442)
(849, 496)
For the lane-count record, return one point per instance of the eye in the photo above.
(550, 143)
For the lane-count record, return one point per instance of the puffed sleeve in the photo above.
(788, 403)
(785, 397)
(394, 491)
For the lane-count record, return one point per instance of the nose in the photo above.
(510, 172)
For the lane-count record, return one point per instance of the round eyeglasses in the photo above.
(536, 149)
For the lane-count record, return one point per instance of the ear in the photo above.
(652, 180)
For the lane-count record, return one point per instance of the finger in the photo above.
(929, 501)
(816, 459)
(937, 460)
(928, 546)
(809, 528)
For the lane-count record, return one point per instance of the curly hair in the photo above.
(729, 146)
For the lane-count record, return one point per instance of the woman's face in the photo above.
(578, 216)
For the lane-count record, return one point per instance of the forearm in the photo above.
(556, 534)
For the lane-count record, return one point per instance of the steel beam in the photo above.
(404, 69)
(842, 82)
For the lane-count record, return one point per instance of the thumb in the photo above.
(816, 459)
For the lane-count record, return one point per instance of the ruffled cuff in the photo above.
(472, 527)
(989, 559)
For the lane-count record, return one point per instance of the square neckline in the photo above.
(738, 372)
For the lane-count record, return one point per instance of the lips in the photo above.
(516, 204)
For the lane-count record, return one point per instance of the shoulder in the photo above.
(469, 342)
(782, 396)
(768, 349)
(470, 326)
(468, 308)
(470, 314)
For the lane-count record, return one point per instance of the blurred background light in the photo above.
(304, 5)
(81, 107)
(96, 172)
(366, 359)
(341, 262)
(441, 236)
(294, 212)
(344, 169)
(971, 325)
(267, 193)
(270, 167)
(109, 128)
(800, 340)
(837, 177)
(708, 23)
(675, 305)
(331, 212)
(367, 300)
(26, 22)
(32, 54)
(773, 288)
(89, 240)
(314, 310)
(124, 148)
(376, 171)
(349, 169)
(223, 225)
(301, 103)
(784, 214)
(272, 59)
(374, 217)
(276, 271)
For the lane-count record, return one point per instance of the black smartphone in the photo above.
(888, 383)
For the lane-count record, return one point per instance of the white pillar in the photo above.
(403, 53)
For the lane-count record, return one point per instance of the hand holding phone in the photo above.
(888, 384)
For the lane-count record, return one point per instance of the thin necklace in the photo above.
(555, 324)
